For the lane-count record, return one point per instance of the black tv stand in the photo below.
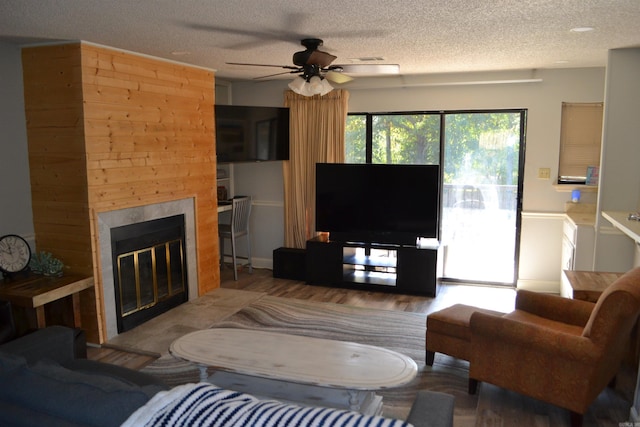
(370, 266)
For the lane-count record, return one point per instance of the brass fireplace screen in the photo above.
(149, 276)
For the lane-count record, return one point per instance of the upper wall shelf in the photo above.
(567, 188)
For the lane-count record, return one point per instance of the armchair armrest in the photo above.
(558, 344)
(554, 307)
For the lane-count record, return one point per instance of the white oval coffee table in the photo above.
(296, 368)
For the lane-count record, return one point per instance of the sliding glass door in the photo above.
(481, 194)
(481, 157)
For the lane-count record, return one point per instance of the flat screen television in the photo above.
(377, 203)
(251, 134)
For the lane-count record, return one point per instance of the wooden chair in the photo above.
(558, 350)
(237, 227)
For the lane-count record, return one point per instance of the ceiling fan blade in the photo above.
(322, 59)
(275, 35)
(295, 22)
(337, 77)
(226, 30)
(286, 67)
(276, 74)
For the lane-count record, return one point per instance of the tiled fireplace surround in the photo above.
(117, 218)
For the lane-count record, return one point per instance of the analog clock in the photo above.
(15, 254)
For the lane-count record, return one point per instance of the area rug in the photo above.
(399, 331)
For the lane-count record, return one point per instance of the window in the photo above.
(580, 140)
(401, 138)
(356, 139)
(481, 154)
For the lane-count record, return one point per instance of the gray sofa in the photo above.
(45, 379)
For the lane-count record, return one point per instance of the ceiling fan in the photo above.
(314, 66)
(308, 63)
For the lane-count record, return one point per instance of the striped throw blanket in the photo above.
(204, 404)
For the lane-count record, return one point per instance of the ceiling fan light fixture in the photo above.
(315, 83)
(326, 87)
(298, 84)
(320, 86)
(315, 86)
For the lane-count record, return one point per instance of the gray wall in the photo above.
(15, 188)
(264, 182)
(543, 206)
(620, 160)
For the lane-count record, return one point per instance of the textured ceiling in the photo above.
(423, 37)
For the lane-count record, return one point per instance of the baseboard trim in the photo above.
(543, 286)
(266, 263)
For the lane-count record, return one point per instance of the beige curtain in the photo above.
(317, 131)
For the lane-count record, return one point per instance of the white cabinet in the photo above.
(568, 251)
(578, 242)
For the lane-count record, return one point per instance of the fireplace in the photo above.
(150, 271)
(147, 232)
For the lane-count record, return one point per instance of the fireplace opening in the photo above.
(149, 267)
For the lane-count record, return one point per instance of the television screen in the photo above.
(377, 203)
(251, 134)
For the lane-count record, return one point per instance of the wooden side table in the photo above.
(586, 285)
(34, 291)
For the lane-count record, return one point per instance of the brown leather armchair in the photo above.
(558, 350)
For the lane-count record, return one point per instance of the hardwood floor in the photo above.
(262, 280)
(496, 298)
(129, 360)
(496, 407)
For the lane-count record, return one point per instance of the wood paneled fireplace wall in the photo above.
(111, 130)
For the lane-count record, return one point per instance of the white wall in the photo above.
(541, 228)
(264, 183)
(620, 163)
(15, 188)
